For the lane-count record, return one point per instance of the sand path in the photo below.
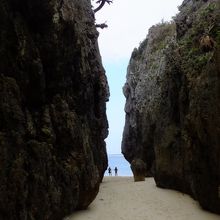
(122, 199)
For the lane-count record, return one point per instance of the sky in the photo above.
(128, 23)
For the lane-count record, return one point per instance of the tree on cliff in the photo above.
(101, 4)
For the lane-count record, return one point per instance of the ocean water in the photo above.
(118, 160)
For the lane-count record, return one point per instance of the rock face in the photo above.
(173, 103)
(53, 124)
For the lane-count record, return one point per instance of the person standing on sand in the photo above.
(116, 171)
(109, 171)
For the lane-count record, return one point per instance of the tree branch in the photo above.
(103, 25)
(102, 3)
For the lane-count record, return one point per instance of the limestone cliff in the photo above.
(173, 103)
(53, 124)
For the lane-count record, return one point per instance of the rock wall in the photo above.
(53, 124)
(173, 103)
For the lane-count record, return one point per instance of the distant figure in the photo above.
(116, 171)
(109, 171)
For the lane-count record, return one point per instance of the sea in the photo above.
(118, 160)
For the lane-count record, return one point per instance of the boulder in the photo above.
(138, 168)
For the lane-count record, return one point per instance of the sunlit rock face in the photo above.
(173, 103)
(53, 124)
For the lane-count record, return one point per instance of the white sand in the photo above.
(120, 198)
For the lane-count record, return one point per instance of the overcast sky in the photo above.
(128, 23)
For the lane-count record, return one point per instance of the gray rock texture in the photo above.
(173, 103)
(53, 91)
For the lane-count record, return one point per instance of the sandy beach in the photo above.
(120, 198)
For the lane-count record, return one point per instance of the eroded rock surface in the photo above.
(53, 124)
(173, 103)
